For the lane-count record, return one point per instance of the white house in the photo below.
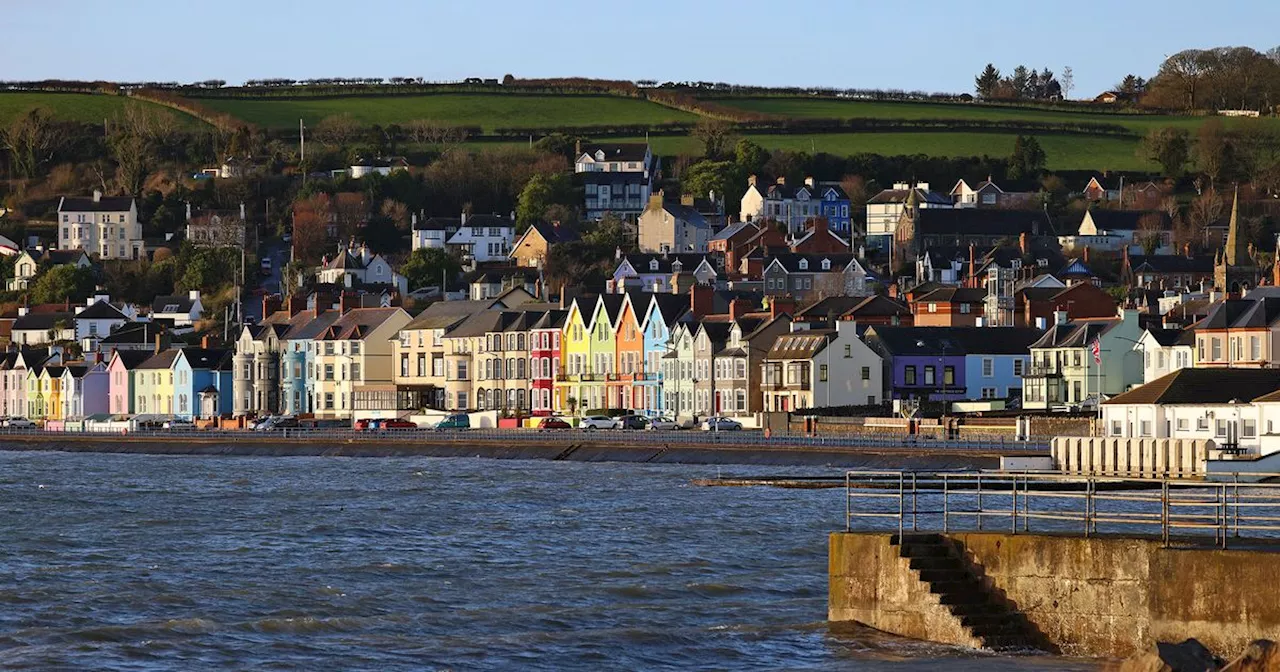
(616, 178)
(484, 238)
(356, 267)
(41, 328)
(98, 318)
(379, 165)
(101, 225)
(656, 272)
(820, 369)
(885, 208)
(180, 310)
(1231, 407)
(28, 263)
(1064, 372)
(794, 206)
(433, 233)
(1165, 351)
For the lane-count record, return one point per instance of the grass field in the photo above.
(486, 111)
(85, 107)
(848, 109)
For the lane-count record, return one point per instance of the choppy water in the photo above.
(157, 563)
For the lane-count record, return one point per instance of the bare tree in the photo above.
(338, 130)
(716, 137)
(397, 213)
(32, 141)
(134, 136)
(1187, 69)
(1068, 81)
(1205, 210)
(1150, 232)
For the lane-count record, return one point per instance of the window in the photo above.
(866, 373)
(1144, 428)
(1255, 348)
(404, 365)
(822, 373)
(848, 351)
(328, 400)
(948, 376)
(1183, 424)
(988, 367)
(355, 372)
(1215, 347)
(929, 375)
(909, 375)
(933, 307)
(1248, 429)
(1202, 424)
(964, 309)
(989, 393)
(1220, 429)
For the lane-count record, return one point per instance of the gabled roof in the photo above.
(1206, 386)
(181, 303)
(357, 324)
(1127, 220)
(445, 314)
(1224, 314)
(131, 359)
(101, 311)
(734, 229)
(1075, 334)
(920, 341)
(43, 321)
(208, 359)
(1167, 337)
(437, 224)
(954, 295)
(643, 263)
(1171, 263)
(791, 262)
(686, 213)
(162, 360)
(612, 306)
(554, 232)
(552, 319)
(134, 333)
(618, 151)
(900, 196)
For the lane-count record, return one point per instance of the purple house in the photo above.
(85, 390)
(930, 363)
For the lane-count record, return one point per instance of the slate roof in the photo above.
(162, 360)
(954, 295)
(1130, 220)
(42, 321)
(134, 333)
(1206, 386)
(686, 213)
(671, 306)
(688, 262)
(551, 319)
(1172, 263)
(790, 262)
(438, 224)
(101, 311)
(979, 221)
(800, 344)
(900, 196)
(208, 359)
(1225, 314)
(181, 303)
(617, 151)
(87, 204)
(1075, 334)
(920, 341)
(133, 358)
(357, 324)
(556, 234)
(1167, 337)
(732, 230)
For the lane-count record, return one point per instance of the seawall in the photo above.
(1087, 596)
(517, 447)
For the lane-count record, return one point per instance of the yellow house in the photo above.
(44, 393)
(575, 353)
(153, 384)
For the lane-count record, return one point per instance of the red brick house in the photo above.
(949, 307)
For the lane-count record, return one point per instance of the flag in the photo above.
(1096, 349)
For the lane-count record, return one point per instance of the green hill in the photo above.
(489, 111)
(83, 107)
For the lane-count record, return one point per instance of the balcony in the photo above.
(1043, 371)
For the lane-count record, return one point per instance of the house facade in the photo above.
(617, 178)
(102, 226)
(821, 369)
(670, 227)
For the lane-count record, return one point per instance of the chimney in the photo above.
(781, 305)
(297, 304)
(205, 341)
(462, 220)
(1086, 254)
(577, 149)
(270, 304)
(188, 211)
(159, 348)
(893, 290)
(686, 200)
(194, 295)
(1023, 243)
(22, 311)
(808, 181)
(738, 308)
(243, 218)
(972, 266)
(782, 180)
(97, 195)
(347, 302)
(701, 300)
(320, 304)
(751, 180)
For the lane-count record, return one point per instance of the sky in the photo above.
(914, 45)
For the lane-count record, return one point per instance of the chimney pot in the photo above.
(97, 195)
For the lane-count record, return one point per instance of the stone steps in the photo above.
(959, 587)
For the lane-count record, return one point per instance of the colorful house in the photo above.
(575, 355)
(603, 350)
(662, 315)
(677, 377)
(120, 397)
(84, 390)
(544, 360)
(202, 383)
(153, 384)
(628, 363)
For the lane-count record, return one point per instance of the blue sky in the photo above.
(916, 44)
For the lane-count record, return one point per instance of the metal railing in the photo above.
(744, 438)
(1177, 511)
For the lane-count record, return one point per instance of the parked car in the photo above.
(179, 424)
(457, 421)
(397, 423)
(287, 422)
(633, 422)
(664, 423)
(722, 425)
(598, 422)
(20, 423)
(266, 266)
(365, 423)
(263, 423)
(554, 423)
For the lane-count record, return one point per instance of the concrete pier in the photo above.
(1097, 596)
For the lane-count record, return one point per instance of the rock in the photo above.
(1262, 655)
(1189, 656)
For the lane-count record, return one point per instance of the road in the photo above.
(278, 253)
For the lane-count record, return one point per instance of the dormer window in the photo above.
(599, 155)
(653, 265)
(826, 264)
(804, 264)
(676, 266)
(1015, 264)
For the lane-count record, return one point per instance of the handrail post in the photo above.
(901, 506)
(1236, 507)
(1164, 512)
(1088, 499)
(1026, 502)
(945, 509)
(848, 505)
(979, 501)
(1013, 509)
(915, 491)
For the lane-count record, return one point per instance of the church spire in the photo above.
(1236, 252)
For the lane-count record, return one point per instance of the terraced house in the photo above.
(100, 225)
(353, 358)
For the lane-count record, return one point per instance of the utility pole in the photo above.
(302, 142)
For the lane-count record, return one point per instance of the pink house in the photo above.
(120, 379)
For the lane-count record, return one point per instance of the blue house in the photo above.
(953, 363)
(659, 317)
(202, 383)
(834, 206)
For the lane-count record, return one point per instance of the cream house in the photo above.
(100, 225)
(672, 227)
(354, 355)
(820, 369)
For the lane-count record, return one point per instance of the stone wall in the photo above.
(1090, 597)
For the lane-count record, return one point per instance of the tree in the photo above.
(1186, 70)
(1150, 232)
(706, 177)
(427, 266)
(136, 138)
(986, 83)
(1019, 80)
(338, 130)
(32, 141)
(1205, 210)
(749, 156)
(1213, 153)
(1027, 160)
(1167, 146)
(541, 192)
(855, 187)
(63, 283)
(609, 234)
(1068, 81)
(716, 137)
(1257, 145)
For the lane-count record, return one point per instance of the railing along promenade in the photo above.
(1175, 511)
(749, 438)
